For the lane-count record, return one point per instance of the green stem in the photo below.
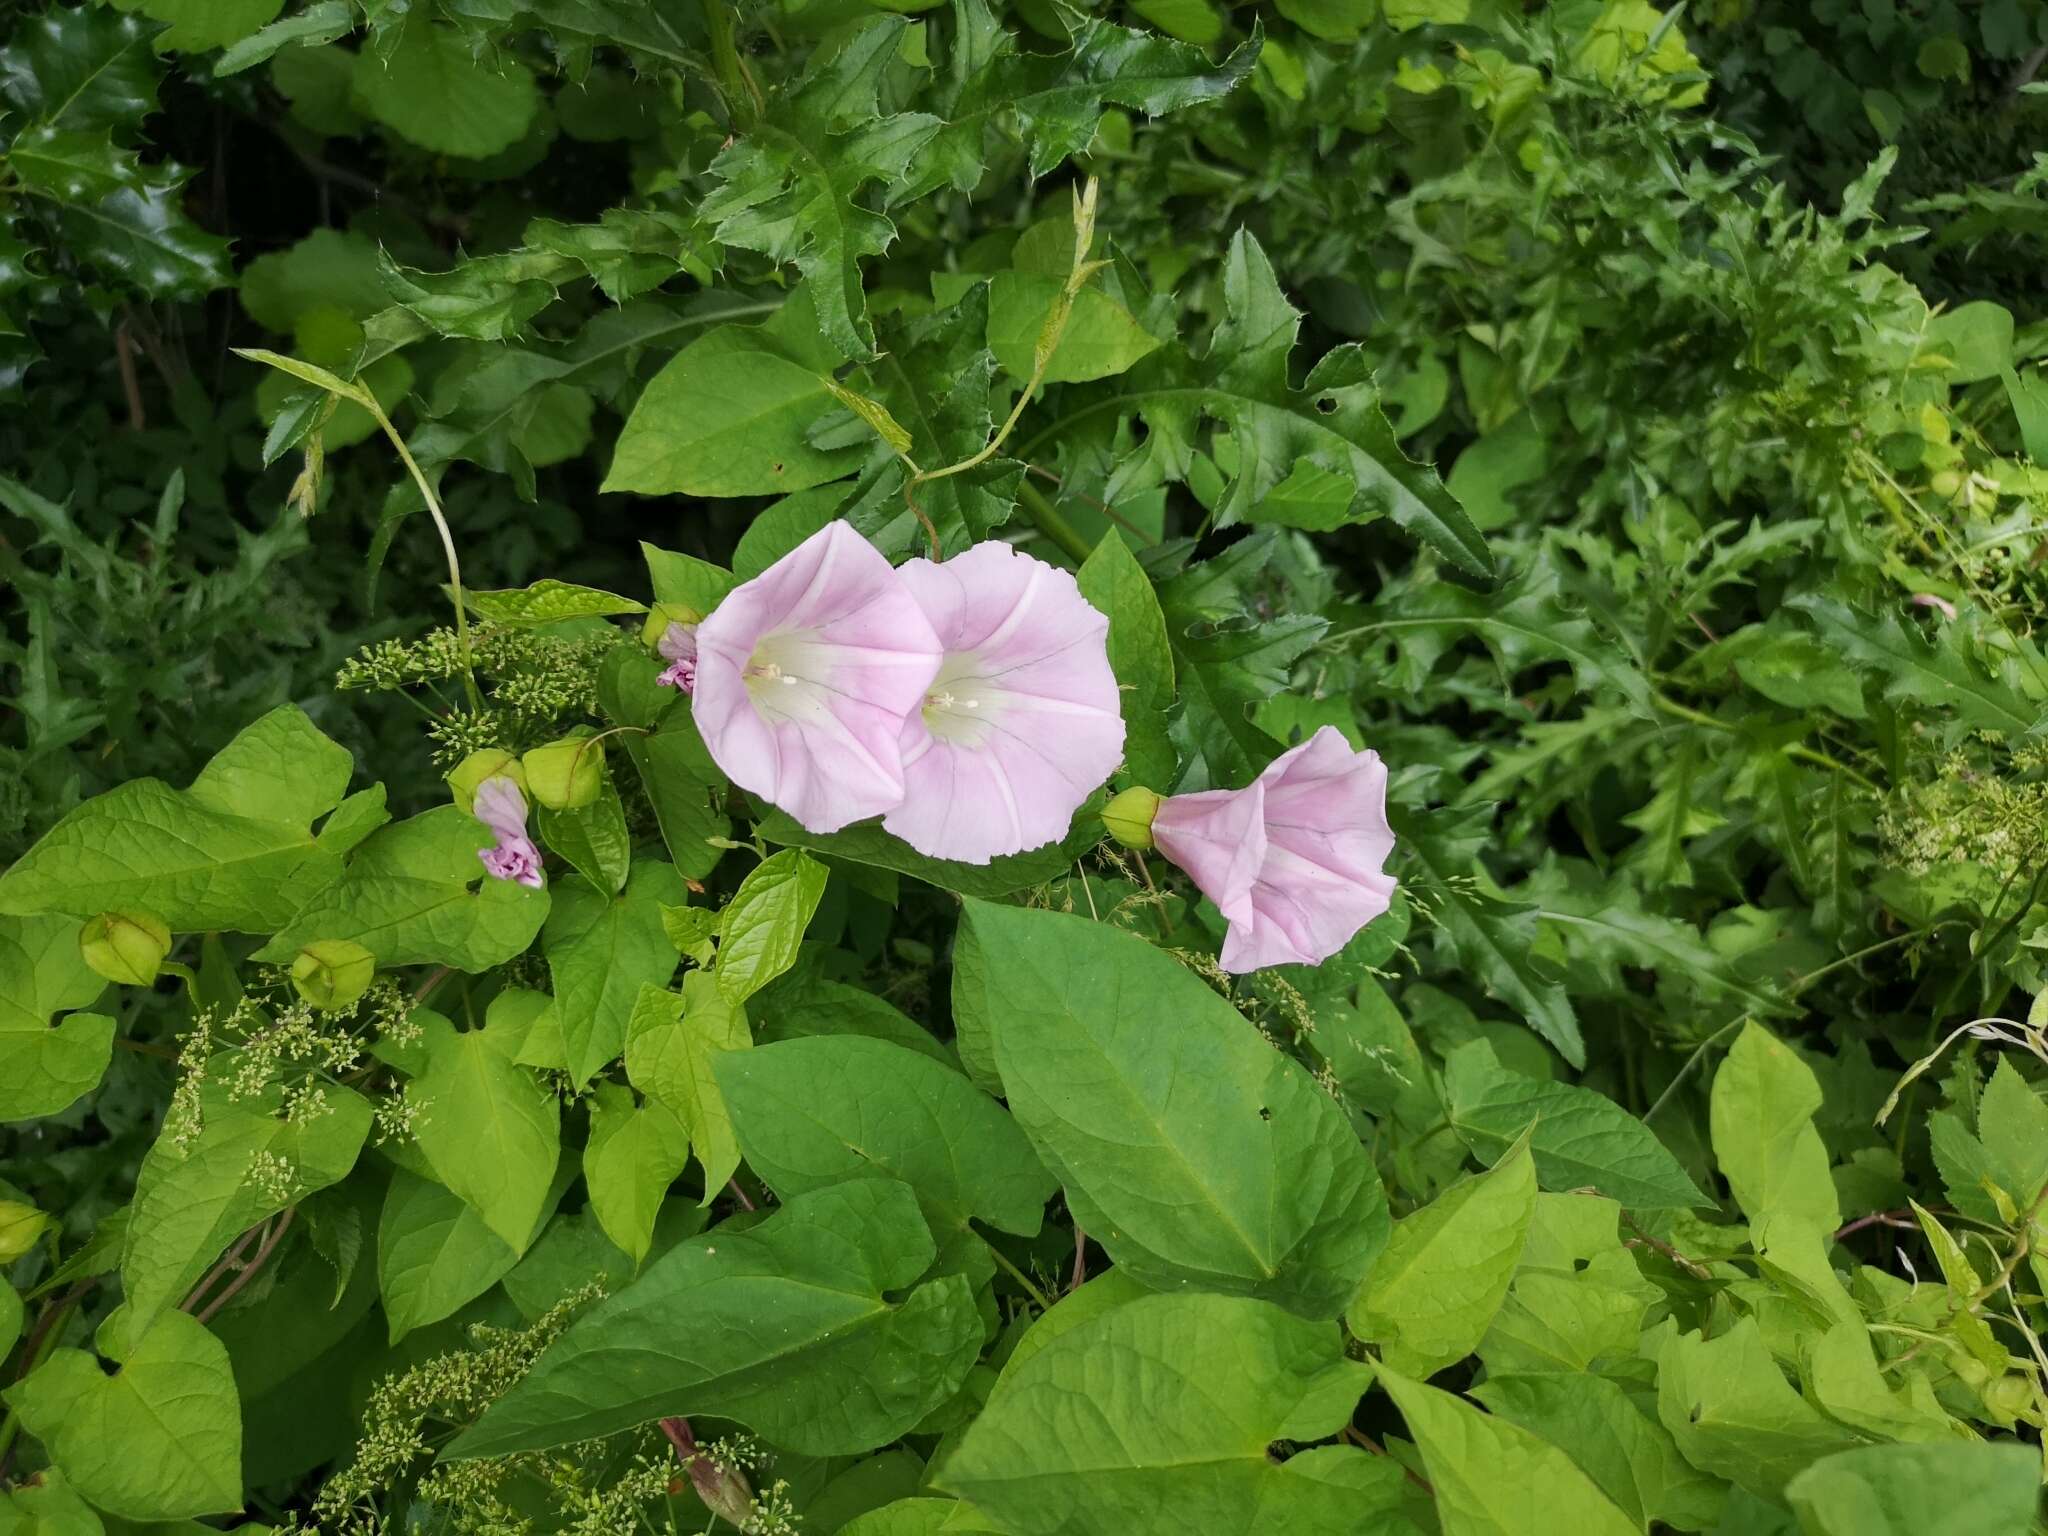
(1051, 521)
(1018, 1275)
(1689, 1063)
(742, 98)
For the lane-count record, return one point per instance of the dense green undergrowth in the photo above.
(387, 384)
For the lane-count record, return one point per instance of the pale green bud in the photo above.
(565, 775)
(127, 947)
(332, 973)
(661, 615)
(491, 763)
(1128, 817)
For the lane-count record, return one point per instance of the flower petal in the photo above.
(805, 675)
(1023, 721)
(500, 806)
(1219, 838)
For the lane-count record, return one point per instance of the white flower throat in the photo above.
(962, 702)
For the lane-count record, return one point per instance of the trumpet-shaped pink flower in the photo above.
(678, 647)
(805, 675)
(1296, 859)
(500, 806)
(1022, 721)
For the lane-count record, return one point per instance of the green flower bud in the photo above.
(565, 775)
(1128, 817)
(478, 766)
(661, 616)
(20, 1226)
(128, 947)
(332, 973)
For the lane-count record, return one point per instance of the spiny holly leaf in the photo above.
(142, 235)
(1059, 99)
(788, 186)
(81, 68)
(1319, 457)
(1490, 937)
(1942, 671)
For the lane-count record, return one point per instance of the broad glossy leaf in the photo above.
(158, 1439)
(1494, 1478)
(1763, 1103)
(81, 69)
(602, 950)
(69, 165)
(198, 26)
(1628, 1454)
(815, 1112)
(672, 1047)
(415, 894)
(1580, 1138)
(430, 90)
(636, 1151)
(196, 1194)
(1732, 1412)
(730, 415)
(1140, 654)
(784, 1327)
(490, 1130)
(235, 851)
(1154, 1418)
(43, 1068)
(1955, 1489)
(435, 1254)
(763, 925)
(1435, 1287)
(1194, 1152)
(141, 235)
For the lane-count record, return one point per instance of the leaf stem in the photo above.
(742, 95)
(261, 1256)
(1018, 1275)
(1050, 521)
(1690, 1062)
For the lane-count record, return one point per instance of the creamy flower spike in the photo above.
(805, 676)
(500, 806)
(1296, 860)
(1022, 721)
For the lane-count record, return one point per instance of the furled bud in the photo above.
(565, 775)
(20, 1226)
(724, 1491)
(1128, 817)
(661, 615)
(128, 947)
(490, 763)
(332, 973)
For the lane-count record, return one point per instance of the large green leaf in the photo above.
(762, 927)
(80, 68)
(814, 1112)
(1580, 1138)
(634, 1154)
(1956, 1489)
(160, 1438)
(785, 1327)
(431, 90)
(602, 950)
(730, 415)
(1762, 1109)
(674, 1042)
(1433, 1291)
(198, 1188)
(435, 1253)
(44, 1068)
(1940, 670)
(1194, 1152)
(234, 851)
(1154, 1418)
(1494, 1478)
(1732, 1412)
(488, 1127)
(415, 894)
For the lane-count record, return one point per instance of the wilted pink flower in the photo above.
(1294, 860)
(678, 647)
(500, 806)
(1022, 721)
(805, 675)
(1946, 608)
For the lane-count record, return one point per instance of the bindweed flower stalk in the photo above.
(1296, 860)
(806, 675)
(501, 807)
(1022, 722)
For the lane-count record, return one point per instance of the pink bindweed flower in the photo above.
(500, 806)
(678, 647)
(805, 675)
(1022, 722)
(1296, 859)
